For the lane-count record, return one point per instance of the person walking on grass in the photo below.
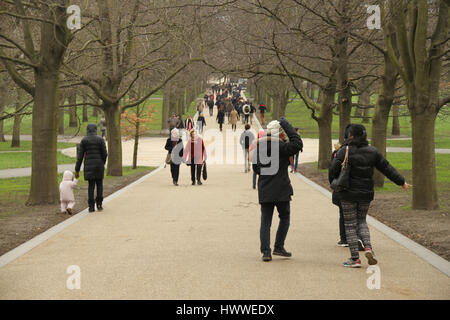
(274, 187)
(246, 140)
(93, 152)
(174, 145)
(355, 200)
(194, 155)
(66, 192)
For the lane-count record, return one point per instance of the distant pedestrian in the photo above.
(93, 152)
(201, 123)
(174, 145)
(220, 117)
(102, 125)
(189, 123)
(294, 165)
(252, 149)
(274, 186)
(262, 109)
(246, 140)
(355, 200)
(211, 106)
(194, 155)
(234, 119)
(66, 192)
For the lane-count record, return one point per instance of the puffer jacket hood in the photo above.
(91, 129)
(68, 175)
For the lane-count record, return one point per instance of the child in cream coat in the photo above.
(66, 192)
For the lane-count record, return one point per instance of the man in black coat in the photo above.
(93, 151)
(274, 186)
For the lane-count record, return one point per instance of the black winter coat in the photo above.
(220, 117)
(276, 187)
(362, 159)
(93, 151)
(169, 147)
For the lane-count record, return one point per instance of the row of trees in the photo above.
(119, 46)
(328, 46)
(287, 48)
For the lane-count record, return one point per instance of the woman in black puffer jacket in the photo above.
(93, 151)
(356, 199)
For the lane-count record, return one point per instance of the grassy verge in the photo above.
(403, 163)
(26, 146)
(16, 189)
(300, 116)
(11, 160)
(440, 143)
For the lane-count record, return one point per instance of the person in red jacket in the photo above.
(194, 156)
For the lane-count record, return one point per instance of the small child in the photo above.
(66, 192)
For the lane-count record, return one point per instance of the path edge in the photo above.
(44, 236)
(425, 254)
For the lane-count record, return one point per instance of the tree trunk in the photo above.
(61, 112)
(15, 141)
(395, 121)
(324, 122)
(95, 112)
(73, 121)
(2, 132)
(345, 93)
(425, 195)
(44, 175)
(165, 109)
(112, 117)
(381, 114)
(85, 110)
(325, 146)
(136, 144)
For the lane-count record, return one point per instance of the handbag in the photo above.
(204, 171)
(168, 158)
(342, 182)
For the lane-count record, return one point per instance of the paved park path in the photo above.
(157, 241)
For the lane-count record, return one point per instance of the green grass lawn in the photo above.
(10, 160)
(26, 146)
(17, 188)
(403, 163)
(439, 143)
(300, 116)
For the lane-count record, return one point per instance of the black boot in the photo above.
(91, 206)
(99, 202)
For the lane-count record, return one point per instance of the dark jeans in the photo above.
(220, 126)
(284, 212)
(175, 170)
(254, 179)
(99, 198)
(197, 174)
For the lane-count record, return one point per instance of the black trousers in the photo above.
(284, 213)
(99, 198)
(196, 175)
(175, 170)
